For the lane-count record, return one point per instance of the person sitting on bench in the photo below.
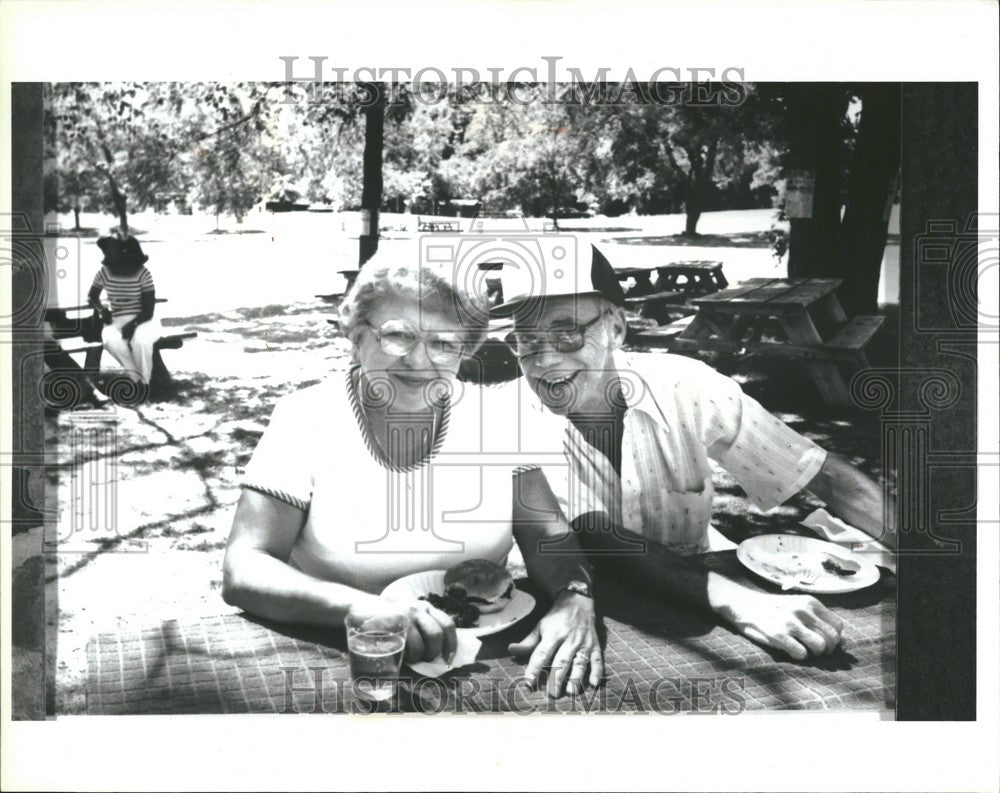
(130, 329)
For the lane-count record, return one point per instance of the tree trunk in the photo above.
(874, 166)
(693, 213)
(120, 203)
(76, 218)
(371, 190)
(815, 115)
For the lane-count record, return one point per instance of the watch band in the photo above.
(578, 587)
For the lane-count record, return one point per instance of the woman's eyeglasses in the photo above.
(398, 337)
(529, 342)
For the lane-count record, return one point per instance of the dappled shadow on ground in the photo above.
(754, 239)
(570, 229)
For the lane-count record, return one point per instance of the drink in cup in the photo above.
(376, 636)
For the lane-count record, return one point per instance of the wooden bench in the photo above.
(660, 306)
(161, 384)
(658, 337)
(847, 346)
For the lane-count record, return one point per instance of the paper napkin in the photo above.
(468, 649)
(835, 530)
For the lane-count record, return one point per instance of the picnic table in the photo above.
(660, 658)
(803, 319)
(676, 283)
(452, 226)
(700, 277)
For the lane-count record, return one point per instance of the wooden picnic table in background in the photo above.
(807, 322)
(240, 664)
(675, 285)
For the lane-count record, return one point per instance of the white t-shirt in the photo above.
(682, 414)
(367, 525)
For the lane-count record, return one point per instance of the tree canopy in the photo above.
(224, 147)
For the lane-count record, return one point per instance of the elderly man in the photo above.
(639, 439)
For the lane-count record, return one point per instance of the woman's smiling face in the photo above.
(407, 379)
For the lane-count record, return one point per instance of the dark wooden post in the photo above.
(874, 167)
(30, 697)
(371, 190)
(815, 115)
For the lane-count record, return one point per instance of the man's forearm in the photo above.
(656, 569)
(552, 553)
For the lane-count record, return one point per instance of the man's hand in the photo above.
(566, 640)
(797, 624)
(128, 330)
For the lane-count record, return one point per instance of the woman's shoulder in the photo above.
(318, 409)
(317, 396)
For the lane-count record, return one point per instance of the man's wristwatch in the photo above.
(578, 587)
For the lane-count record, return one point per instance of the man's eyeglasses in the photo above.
(398, 337)
(529, 342)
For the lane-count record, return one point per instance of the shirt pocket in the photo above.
(679, 519)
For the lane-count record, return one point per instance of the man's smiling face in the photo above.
(571, 381)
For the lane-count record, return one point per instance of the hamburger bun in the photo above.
(485, 585)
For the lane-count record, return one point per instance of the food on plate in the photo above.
(464, 614)
(482, 583)
(797, 564)
(840, 566)
(472, 588)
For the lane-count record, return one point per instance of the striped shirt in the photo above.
(124, 291)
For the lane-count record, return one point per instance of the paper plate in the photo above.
(782, 558)
(432, 581)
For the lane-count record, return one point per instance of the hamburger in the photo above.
(480, 583)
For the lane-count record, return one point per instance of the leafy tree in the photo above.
(130, 142)
(693, 153)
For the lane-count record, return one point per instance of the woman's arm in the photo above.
(566, 637)
(146, 307)
(257, 578)
(94, 298)
(147, 304)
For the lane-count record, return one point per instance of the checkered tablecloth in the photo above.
(661, 659)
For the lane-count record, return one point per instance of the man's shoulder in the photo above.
(665, 368)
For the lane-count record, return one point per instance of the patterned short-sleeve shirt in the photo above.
(682, 414)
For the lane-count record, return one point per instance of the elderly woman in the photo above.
(338, 500)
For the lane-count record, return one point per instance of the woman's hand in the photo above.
(128, 329)
(797, 624)
(566, 640)
(431, 634)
